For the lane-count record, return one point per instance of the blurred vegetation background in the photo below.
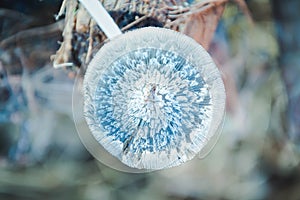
(256, 157)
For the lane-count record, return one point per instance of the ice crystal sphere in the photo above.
(153, 98)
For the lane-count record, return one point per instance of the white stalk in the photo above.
(101, 16)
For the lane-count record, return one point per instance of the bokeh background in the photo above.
(256, 157)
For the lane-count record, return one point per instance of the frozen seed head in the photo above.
(152, 101)
(152, 107)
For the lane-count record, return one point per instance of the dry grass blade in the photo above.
(197, 20)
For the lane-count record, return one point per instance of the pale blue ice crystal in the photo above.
(151, 100)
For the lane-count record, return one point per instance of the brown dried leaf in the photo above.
(201, 25)
(203, 21)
